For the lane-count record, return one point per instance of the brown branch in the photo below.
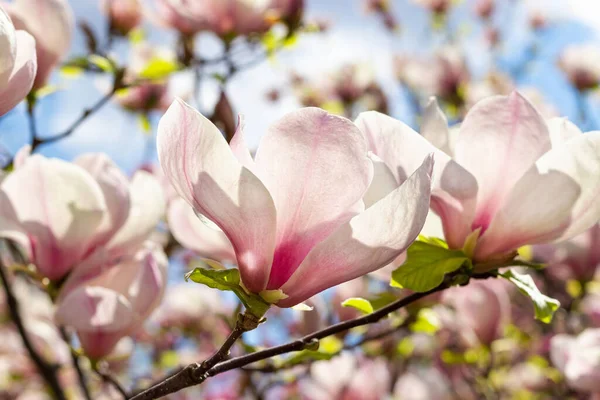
(109, 379)
(46, 370)
(83, 384)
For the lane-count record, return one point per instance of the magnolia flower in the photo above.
(578, 358)
(482, 308)
(50, 22)
(82, 210)
(149, 94)
(346, 377)
(18, 64)
(295, 214)
(226, 17)
(514, 178)
(423, 383)
(441, 75)
(124, 15)
(577, 258)
(435, 6)
(112, 302)
(581, 64)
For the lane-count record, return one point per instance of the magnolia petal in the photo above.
(23, 73)
(367, 242)
(239, 147)
(454, 188)
(315, 166)
(148, 206)
(115, 187)
(62, 218)
(561, 130)
(383, 182)
(500, 139)
(204, 171)
(51, 23)
(554, 201)
(8, 47)
(195, 235)
(434, 127)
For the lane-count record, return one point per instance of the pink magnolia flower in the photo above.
(577, 258)
(18, 64)
(435, 6)
(578, 358)
(295, 214)
(81, 210)
(147, 95)
(113, 303)
(423, 383)
(124, 15)
(226, 17)
(50, 22)
(482, 308)
(581, 64)
(514, 178)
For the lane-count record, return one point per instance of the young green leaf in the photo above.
(426, 265)
(544, 306)
(229, 280)
(362, 305)
(159, 68)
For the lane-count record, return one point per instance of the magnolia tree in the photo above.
(352, 255)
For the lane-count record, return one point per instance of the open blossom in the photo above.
(581, 64)
(577, 258)
(578, 358)
(441, 75)
(124, 15)
(18, 64)
(81, 210)
(227, 17)
(50, 22)
(482, 309)
(423, 383)
(295, 214)
(105, 304)
(514, 178)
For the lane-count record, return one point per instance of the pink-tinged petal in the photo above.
(147, 208)
(196, 235)
(560, 347)
(239, 147)
(561, 130)
(367, 242)
(22, 156)
(555, 200)
(203, 170)
(500, 139)
(434, 127)
(8, 47)
(454, 188)
(115, 187)
(99, 315)
(23, 73)
(383, 182)
(315, 166)
(62, 218)
(51, 23)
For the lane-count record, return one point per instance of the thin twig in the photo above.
(189, 376)
(83, 384)
(46, 370)
(109, 379)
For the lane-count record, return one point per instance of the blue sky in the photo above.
(353, 38)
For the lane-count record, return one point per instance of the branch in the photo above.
(194, 374)
(83, 385)
(46, 370)
(107, 378)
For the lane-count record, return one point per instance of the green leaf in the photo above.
(427, 322)
(103, 63)
(362, 305)
(145, 123)
(158, 68)
(544, 306)
(229, 280)
(382, 299)
(426, 266)
(433, 240)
